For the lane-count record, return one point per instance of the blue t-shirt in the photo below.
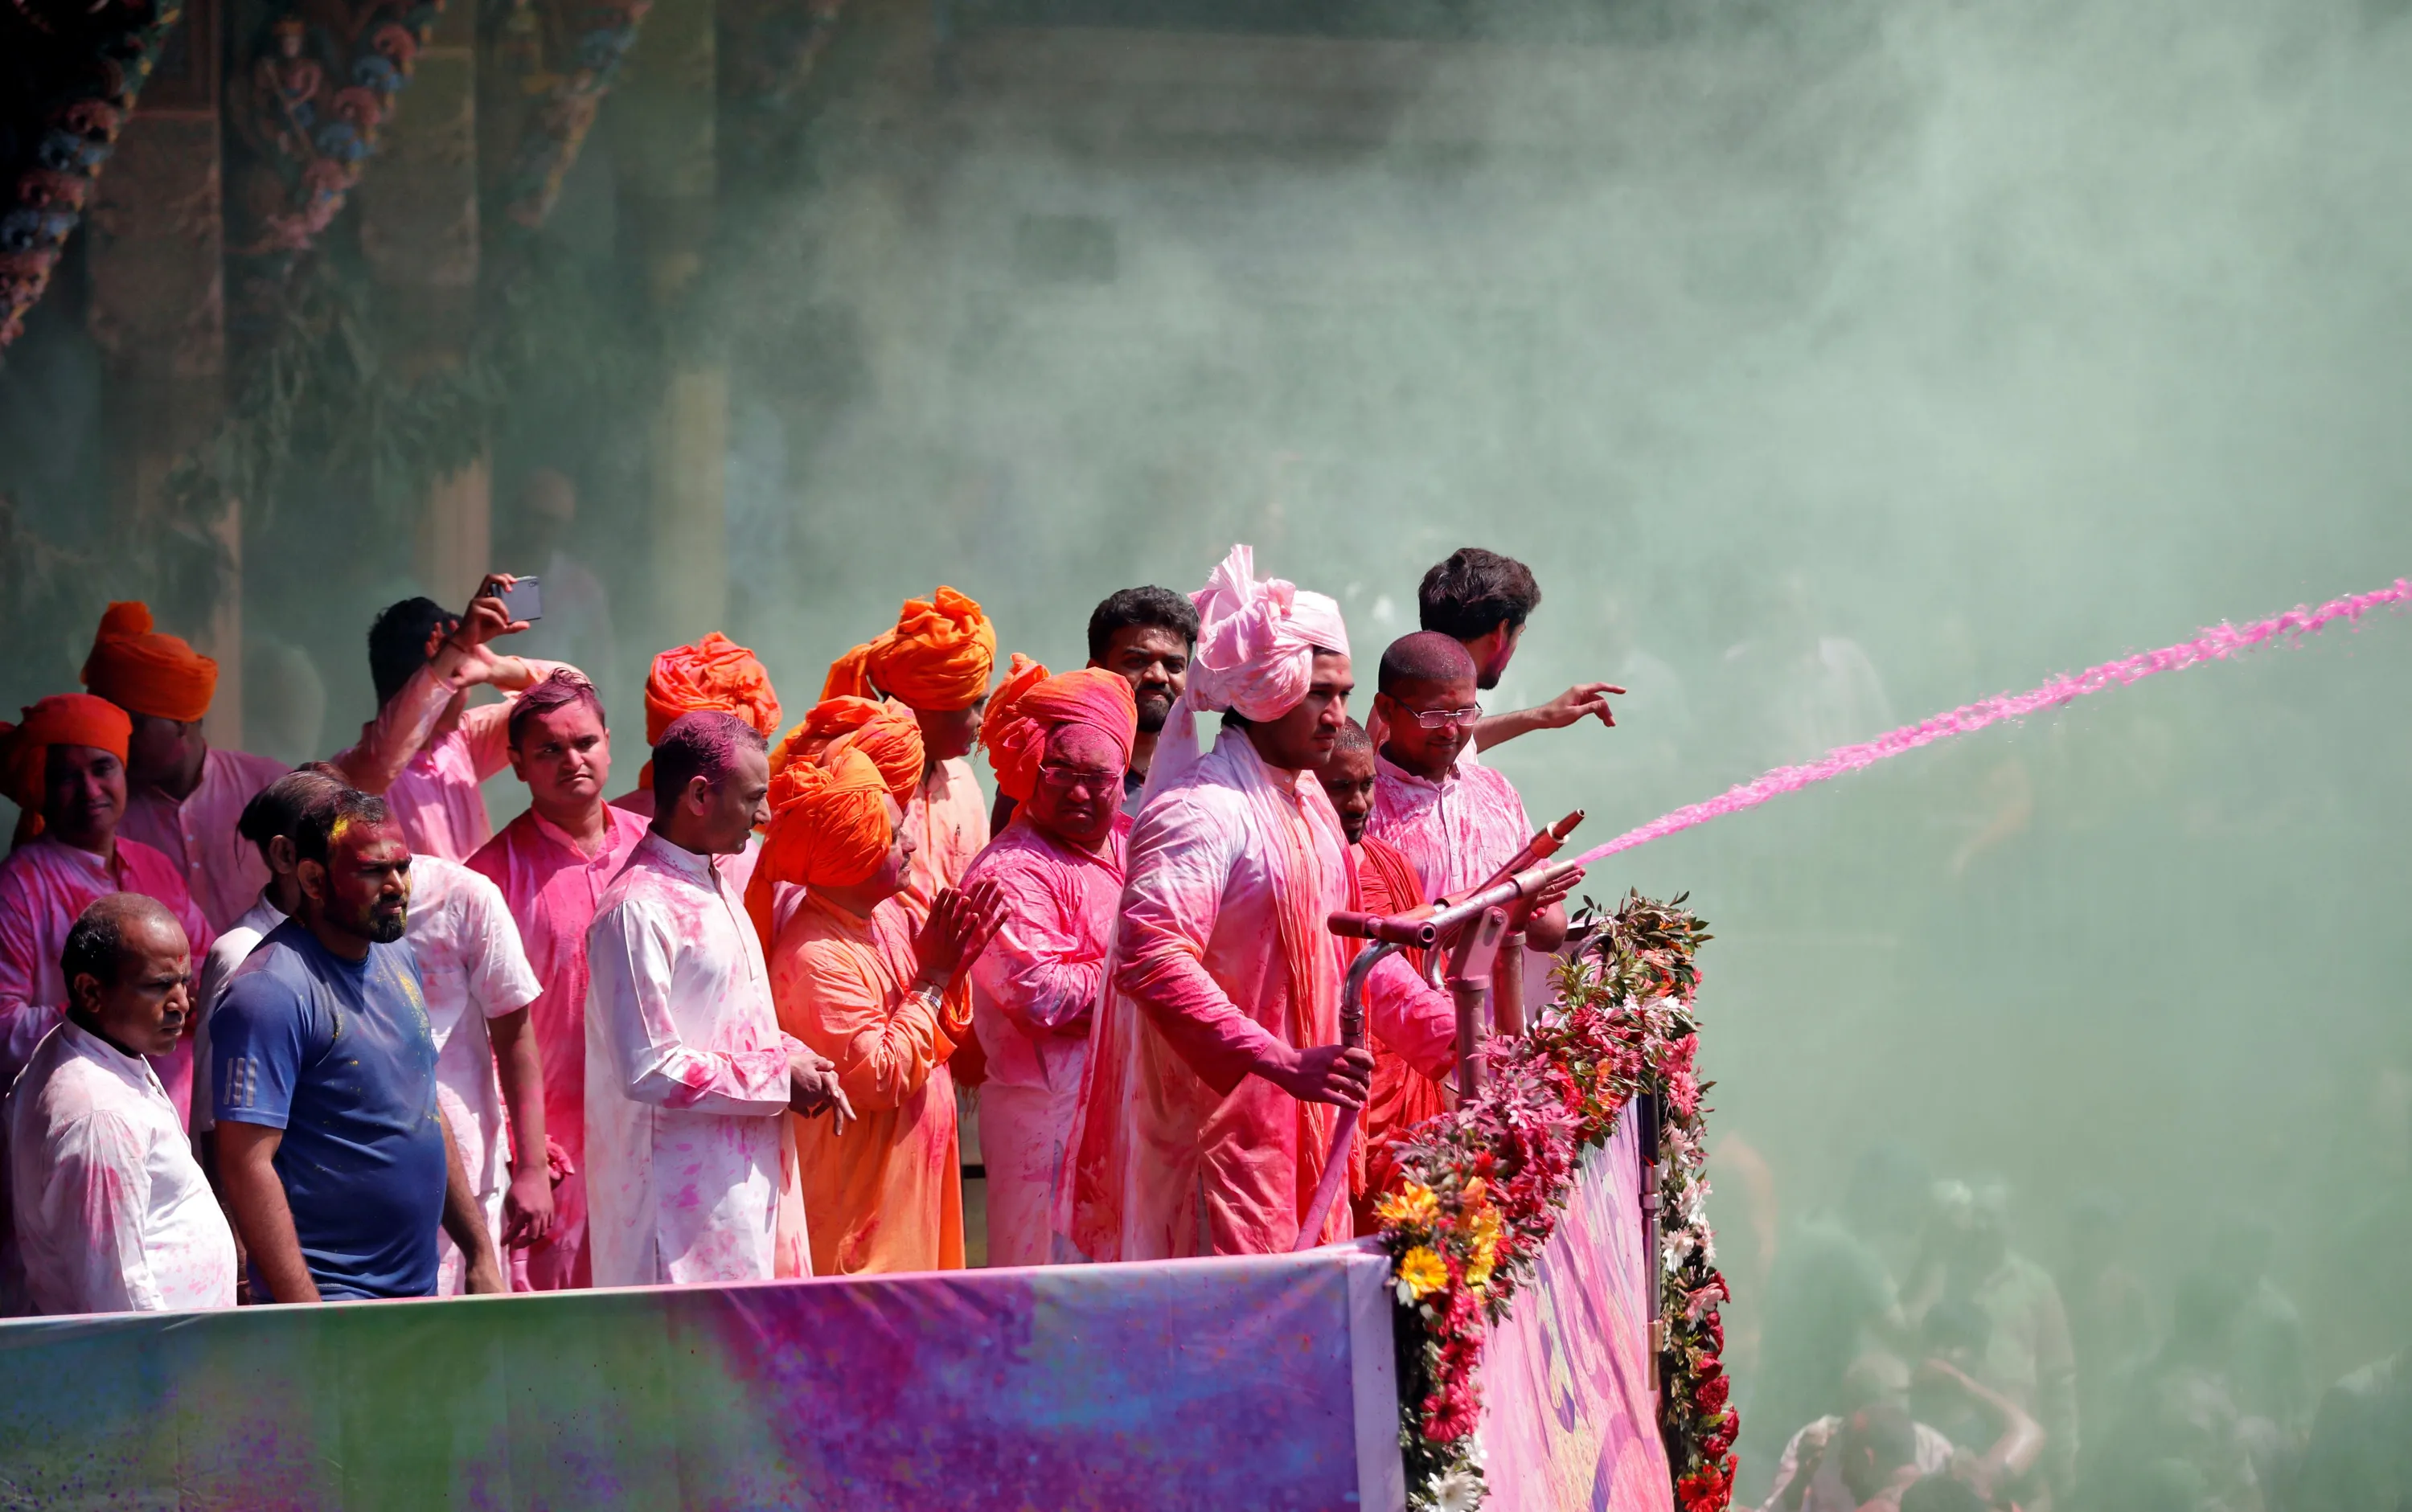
(338, 1054)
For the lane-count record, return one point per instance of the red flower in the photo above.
(1711, 1394)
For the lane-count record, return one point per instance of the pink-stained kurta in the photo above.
(431, 782)
(887, 1195)
(222, 871)
(686, 1081)
(472, 968)
(1034, 991)
(111, 1211)
(45, 884)
(1457, 832)
(1179, 1149)
(554, 891)
(949, 822)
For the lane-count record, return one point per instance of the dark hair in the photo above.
(1941, 1492)
(563, 687)
(398, 642)
(95, 945)
(1353, 738)
(314, 835)
(278, 808)
(704, 744)
(1476, 592)
(1423, 656)
(1158, 609)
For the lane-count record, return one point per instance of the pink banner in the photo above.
(1567, 1416)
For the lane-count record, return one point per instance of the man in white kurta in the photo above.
(689, 1161)
(109, 1210)
(472, 969)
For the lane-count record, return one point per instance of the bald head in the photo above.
(1426, 656)
(130, 973)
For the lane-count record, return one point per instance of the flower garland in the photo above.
(1480, 1187)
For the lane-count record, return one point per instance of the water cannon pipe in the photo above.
(1352, 1036)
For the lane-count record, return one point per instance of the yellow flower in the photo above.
(1422, 1274)
(1477, 1270)
(1413, 1204)
(1472, 1196)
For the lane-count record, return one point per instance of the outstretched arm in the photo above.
(1584, 700)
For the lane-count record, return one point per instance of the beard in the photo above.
(387, 929)
(1154, 709)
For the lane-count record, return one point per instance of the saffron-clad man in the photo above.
(110, 1211)
(1206, 1107)
(553, 864)
(864, 983)
(715, 675)
(1455, 821)
(688, 1163)
(182, 795)
(336, 1162)
(1145, 636)
(885, 732)
(65, 768)
(1060, 747)
(1402, 1097)
(427, 751)
(1482, 600)
(935, 661)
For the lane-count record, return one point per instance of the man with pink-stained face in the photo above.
(553, 864)
(1206, 1107)
(689, 1167)
(1059, 747)
(64, 767)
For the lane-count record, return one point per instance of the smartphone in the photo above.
(522, 600)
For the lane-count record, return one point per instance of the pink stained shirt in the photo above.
(948, 821)
(688, 1153)
(222, 871)
(1034, 992)
(553, 891)
(1178, 1150)
(45, 884)
(432, 780)
(1455, 832)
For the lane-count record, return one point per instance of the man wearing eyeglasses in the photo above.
(1455, 821)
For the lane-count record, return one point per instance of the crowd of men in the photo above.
(278, 1036)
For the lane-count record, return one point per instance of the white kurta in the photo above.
(473, 968)
(111, 1211)
(687, 1078)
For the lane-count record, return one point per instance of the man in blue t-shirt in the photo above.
(335, 1159)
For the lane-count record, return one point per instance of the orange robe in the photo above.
(887, 1195)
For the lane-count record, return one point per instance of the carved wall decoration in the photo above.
(69, 72)
(565, 55)
(307, 106)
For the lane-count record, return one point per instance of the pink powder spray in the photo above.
(2217, 643)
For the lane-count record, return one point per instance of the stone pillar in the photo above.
(418, 206)
(159, 314)
(663, 137)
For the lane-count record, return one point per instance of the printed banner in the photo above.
(1260, 1382)
(1568, 1421)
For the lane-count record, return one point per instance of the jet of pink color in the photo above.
(2217, 643)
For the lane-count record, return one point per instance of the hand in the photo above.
(812, 1088)
(960, 927)
(487, 618)
(1325, 1074)
(527, 1207)
(485, 1277)
(1570, 707)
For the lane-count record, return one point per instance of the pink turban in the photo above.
(1256, 640)
(1029, 704)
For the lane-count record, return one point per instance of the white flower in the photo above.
(1459, 1490)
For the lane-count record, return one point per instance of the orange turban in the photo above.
(884, 732)
(148, 673)
(829, 828)
(715, 675)
(61, 719)
(938, 657)
(1028, 704)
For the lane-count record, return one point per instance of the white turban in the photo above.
(1257, 641)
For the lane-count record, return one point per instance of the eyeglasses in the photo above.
(1067, 778)
(1439, 718)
